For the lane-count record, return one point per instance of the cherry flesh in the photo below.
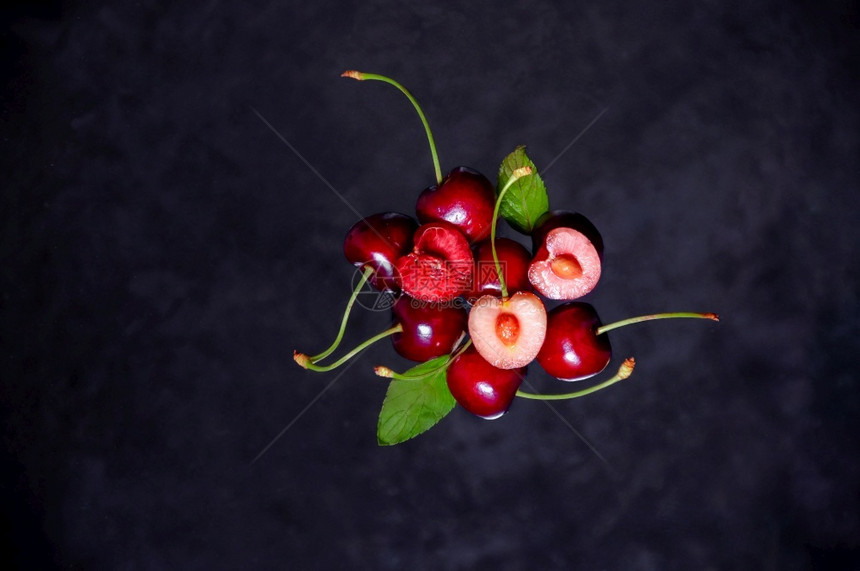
(568, 255)
(440, 265)
(429, 330)
(567, 219)
(508, 332)
(377, 242)
(514, 260)
(572, 349)
(481, 388)
(464, 198)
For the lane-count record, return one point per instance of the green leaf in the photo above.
(526, 200)
(414, 406)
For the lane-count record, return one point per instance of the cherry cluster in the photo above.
(476, 303)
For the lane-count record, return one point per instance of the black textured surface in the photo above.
(163, 252)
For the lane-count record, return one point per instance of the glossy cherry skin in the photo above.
(567, 219)
(479, 387)
(377, 242)
(440, 266)
(572, 350)
(465, 199)
(514, 260)
(429, 329)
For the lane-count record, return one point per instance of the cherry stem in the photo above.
(365, 276)
(306, 362)
(389, 374)
(361, 76)
(678, 314)
(516, 175)
(624, 371)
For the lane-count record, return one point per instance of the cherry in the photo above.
(567, 219)
(514, 260)
(508, 332)
(481, 388)
(440, 266)
(566, 266)
(429, 330)
(572, 349)
(377, 242)
(465, 198)
(576, 346)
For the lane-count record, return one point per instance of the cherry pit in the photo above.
(473, 309)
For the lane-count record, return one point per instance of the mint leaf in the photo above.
(414, 406)
(526, 200)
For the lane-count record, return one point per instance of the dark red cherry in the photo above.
(572, 350)
(429, 329)
(377, 242)
(568, 256)
(481, 388)
(440, 265)
(514, 260)
(465, 198)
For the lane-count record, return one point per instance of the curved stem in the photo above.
(515, 176)
(361, 76)
(389, 374)
(678, 314)
(365, 276)
(305, 362)
(624, 371)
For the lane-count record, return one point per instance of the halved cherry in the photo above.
(508, 332)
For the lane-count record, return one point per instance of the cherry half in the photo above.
(429, 330)
(566, 219)
(508, 332)
(440, 265)
(568, 256)
(514, 260)
(464, 198)
(377, 242)
(479, 387)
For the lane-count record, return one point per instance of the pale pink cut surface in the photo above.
(558, 242)
(531, 314)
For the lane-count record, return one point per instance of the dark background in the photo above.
(163, 252)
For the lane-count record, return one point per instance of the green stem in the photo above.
(305, 362)
(515, 176)
(388, 373)
(365, 276)
(624, 372)
(359, 75)
(678, 314)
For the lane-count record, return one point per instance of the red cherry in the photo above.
(377, 242)
(429, 330)
(568, 255)
(440, 266)
(464, 198)
(514, 260)
(481, 388)
(572, 349)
